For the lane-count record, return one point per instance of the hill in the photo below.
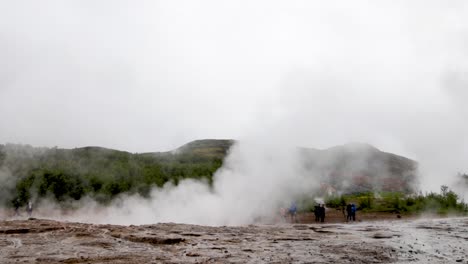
(358, 167)
(27, 172)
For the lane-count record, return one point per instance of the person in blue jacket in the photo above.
(353, 211)
(293, 212)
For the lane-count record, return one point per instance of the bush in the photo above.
(335, 201)
(366, 201)
(439, 203)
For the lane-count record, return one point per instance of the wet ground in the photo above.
(398, 241)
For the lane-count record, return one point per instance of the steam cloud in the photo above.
(276, 74)
(254, 182)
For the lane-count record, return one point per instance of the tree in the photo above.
(444, 190)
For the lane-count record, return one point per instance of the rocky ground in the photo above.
(397, 241)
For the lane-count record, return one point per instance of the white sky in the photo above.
(153, 75)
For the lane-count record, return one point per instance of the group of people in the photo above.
(319, 212)
(351, 212)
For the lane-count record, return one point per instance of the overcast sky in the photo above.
(153, 75)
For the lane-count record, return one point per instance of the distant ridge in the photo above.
(360, 167)
(104, 173)
(206, 147)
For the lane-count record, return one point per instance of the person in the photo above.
(283, 214)
(29, 208)
(322, 213)
(317, 213)
(348, 213)
(16, 204)
(293, 212)
(353, 211)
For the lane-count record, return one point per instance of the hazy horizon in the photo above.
(351, 143)
(153, 75)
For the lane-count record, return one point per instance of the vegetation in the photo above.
(101, 173)
(443, 203)
(70, 174)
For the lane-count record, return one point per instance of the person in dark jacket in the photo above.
(348, 213)
(322, 213)
(317, 213)
(353, 211)
(16, 204)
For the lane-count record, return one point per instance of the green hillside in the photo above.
(102, 173)
(62, 174)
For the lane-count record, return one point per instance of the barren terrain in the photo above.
(397, 241)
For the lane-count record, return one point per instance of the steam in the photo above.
(277, 75)
(255, 181)
(7, 181)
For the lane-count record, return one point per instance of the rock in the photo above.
(301, 227)
(155, 240)
(64, 242)
(16, 231)
(380, 235)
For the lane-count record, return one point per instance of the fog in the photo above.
(153, 75)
